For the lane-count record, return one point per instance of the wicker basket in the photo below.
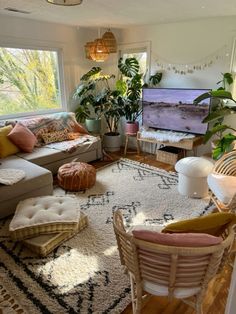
(169, 155)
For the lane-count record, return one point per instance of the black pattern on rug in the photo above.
(84, 274)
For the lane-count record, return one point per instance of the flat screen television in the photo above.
(173, 109)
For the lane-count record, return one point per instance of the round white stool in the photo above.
(193, 172)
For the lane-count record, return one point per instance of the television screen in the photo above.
(173, 109)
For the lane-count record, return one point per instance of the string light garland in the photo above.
(189, 68)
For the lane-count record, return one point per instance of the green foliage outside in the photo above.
(28, 81)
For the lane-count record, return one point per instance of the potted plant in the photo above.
(90, 95)
(130, 85)
(114, 110)
(223, 142)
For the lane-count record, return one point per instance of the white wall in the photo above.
(186, 43)
(19, 31)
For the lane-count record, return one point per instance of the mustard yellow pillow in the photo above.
(6, 146)
(213, 224)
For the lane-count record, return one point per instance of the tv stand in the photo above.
(190, 144)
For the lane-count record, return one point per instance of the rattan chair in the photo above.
(226, 165)
(179, 272)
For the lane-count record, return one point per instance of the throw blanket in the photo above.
(166, 136)
(71, 146)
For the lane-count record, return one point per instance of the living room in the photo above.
(192, 45)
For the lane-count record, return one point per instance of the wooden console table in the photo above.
(187, 144)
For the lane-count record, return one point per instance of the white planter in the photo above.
(111, 143)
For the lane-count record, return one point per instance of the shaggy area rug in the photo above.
(84, 275)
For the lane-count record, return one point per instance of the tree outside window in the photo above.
(29, 81)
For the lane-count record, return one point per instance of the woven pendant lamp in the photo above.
(99, 52)
(65, 2)
(88, 47)
(110, 41)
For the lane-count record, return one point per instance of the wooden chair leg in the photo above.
(126, 144)
(136, 295)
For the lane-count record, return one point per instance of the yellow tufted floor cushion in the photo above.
(43, 215)
(76, 176)
(46, 243)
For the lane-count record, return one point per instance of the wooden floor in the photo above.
(216, 297)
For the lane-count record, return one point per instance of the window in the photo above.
(29, 81)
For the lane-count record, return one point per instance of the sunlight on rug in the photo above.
(84, 274)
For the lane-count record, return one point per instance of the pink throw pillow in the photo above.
(22, 137)
(177, 239)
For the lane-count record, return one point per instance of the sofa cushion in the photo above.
(7, 148)
(44, 155)
(224, 187)
(22, 137)
(177, 239)
(36, 177)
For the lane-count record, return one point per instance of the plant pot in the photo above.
(93, 125)
(131, 127)
(111, 142)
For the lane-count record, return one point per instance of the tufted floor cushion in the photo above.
(76, 176)
(46, 243)
(42, 215)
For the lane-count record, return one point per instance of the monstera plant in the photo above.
(224, 141)
(89, 96)
(130, 85)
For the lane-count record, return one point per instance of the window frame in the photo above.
(59, 49)
(233, 67)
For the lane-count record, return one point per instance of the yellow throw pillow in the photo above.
(7, 148)
(213, 224)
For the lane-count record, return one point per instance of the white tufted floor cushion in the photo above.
(193, 172)
(42, 215)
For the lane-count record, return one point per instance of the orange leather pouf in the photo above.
(76, 176)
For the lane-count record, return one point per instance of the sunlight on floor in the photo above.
(69, 270)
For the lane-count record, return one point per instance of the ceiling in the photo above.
(121, 13)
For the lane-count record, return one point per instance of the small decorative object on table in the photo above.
(76, 176)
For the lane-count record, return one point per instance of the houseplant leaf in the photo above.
(215, 115)
(128, 67)
(91, 73)
(214, 130)
(121, 86)
(156, 78)
(222, 94)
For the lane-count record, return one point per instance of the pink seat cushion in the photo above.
(22, 137)
(177, 239)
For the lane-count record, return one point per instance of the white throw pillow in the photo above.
(224, 187)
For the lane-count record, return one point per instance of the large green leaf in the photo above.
(156, 78)
(128, 67)
(91, 73)
(215, 115)
(222, 94)
(224, 145)
(216, 129)
(121, 86)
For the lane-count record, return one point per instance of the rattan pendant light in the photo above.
(65, 2)
(88, 48)
(110, 41)
(99, 51)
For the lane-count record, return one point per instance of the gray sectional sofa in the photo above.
(39, 167)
